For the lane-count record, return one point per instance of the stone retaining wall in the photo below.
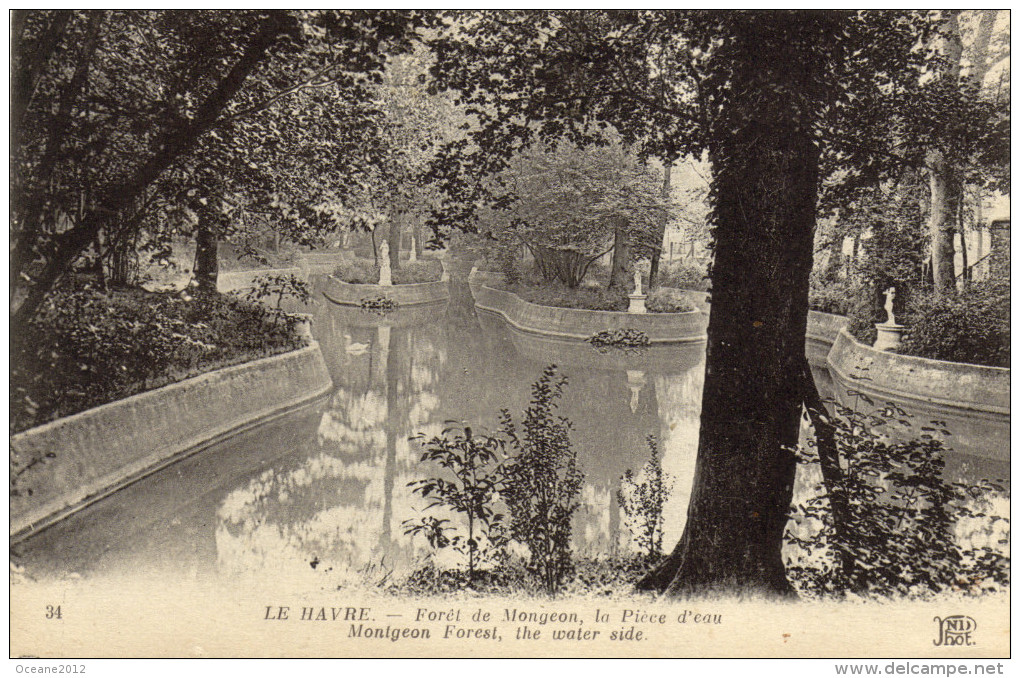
(973, 400)
(242, 280)
(349, 294)
(822, 330)
(580, 324)
(103, 449)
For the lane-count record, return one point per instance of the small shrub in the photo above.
(288, 286)
(684, 276)
(538, 480)
(627, 339)
(378, 304)
(666, 301)
(642, 498)
(359, 271)
(839, 296)
(89, 346)
(542, 481)
(472, 480)
(898, 535)
(592, 298)
(971, 326)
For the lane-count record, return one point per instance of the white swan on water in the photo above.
(353, 348)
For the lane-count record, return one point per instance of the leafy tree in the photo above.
(570, 205)
(776, 99)
(109, 102)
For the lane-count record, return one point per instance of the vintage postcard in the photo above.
(511, 333)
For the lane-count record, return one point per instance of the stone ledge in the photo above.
(350, 294)
(579, 324)
(973, 400)
(110, 446)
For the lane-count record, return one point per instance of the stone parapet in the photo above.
(100, 450)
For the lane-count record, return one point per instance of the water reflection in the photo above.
(339, 509)
(319, 497)
(340, 506)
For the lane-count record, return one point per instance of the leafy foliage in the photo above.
(542, 481)
(899, 535)
(364, 272)
(971, 326)
(379, 304)
(626, 339)
(89, 347)
(289, 286)
(566, 204)
(534, 473)
(642, 497)
(684, 276)
(123, 115)
(474, 477)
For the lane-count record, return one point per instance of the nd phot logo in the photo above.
(955, 630)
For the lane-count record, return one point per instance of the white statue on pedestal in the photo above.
(637, 281)
(412, 254)
(385, 275)
(890, 294)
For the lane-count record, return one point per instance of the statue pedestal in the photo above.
(385, 277)
(637, 303)
(889, 335)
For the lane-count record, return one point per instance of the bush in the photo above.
(684, 276)
(899, 534)
(835, 295)
(966, 327)
(642, 497)
(666, 301)
(592, 298)
(538, 480)
(627, 339)
(542, 482)
(364, 272)
(473, 478)
(88, 346)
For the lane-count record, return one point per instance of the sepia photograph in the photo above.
(635, 333)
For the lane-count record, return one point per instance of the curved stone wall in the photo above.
(579, 324)
(349, 294)
(822, 330)
(973, 400)
(103, 449)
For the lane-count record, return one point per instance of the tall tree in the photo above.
(125, 96)
(770, 96)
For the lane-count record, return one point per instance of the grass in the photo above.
(360, 271)
(609, 576)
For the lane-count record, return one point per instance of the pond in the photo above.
(319, 496)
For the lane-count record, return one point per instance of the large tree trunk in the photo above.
(667, 187)
(619, 274)
(944, 184)
(396, 227)
(207, 266)
(123, 261)
(945, 195)
(765, 176)
(419, 247)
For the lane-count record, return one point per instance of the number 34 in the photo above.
(53, 612)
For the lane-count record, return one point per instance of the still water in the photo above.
(319, 497)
